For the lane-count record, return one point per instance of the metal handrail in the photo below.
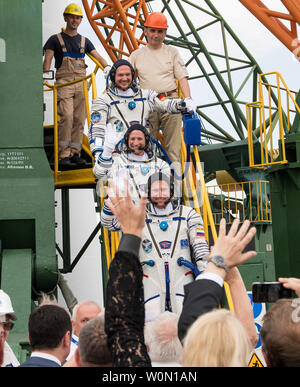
(55, 114)
(232, 206)
(267, 152)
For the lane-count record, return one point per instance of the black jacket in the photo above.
(35, 361)
(200, 296)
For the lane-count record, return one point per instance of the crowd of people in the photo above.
(165, 284)
(201, 335)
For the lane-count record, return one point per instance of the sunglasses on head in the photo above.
(7, 326)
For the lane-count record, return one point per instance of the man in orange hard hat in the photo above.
(158, 66)
(69, 48)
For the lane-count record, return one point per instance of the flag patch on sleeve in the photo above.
(161, 97)
(200, 232)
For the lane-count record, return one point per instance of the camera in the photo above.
(269, 291)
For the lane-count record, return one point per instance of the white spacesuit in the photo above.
(123, 108)
(173, 249)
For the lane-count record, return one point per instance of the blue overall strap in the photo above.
(66, 53)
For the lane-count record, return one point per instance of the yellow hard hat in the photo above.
(73, 9)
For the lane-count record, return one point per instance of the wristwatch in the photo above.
(219, 261)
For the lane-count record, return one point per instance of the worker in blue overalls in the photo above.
(69, 49)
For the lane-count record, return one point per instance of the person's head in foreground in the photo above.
(280, 334)
(216, 339)
(92, 348)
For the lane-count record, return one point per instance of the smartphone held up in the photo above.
(269, 291)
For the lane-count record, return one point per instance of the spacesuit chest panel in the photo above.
(161, 247)
(137, 173)
(171, 241)
(125, 112)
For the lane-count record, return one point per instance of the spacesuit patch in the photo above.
(165, 244)
(147, 245)
(142, 188)
(144, 170)
(133, 123)
(95, 117)
(184, 243)
(119, 126)
(200, 232)
(161, 97)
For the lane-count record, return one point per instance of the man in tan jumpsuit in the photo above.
(69, 49)
(158, 66)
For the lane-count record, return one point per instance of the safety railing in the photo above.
(274, 121)
(243, 200)
(202, 206)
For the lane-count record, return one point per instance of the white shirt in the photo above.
(74, 346)
(10, 359)
(211, 276)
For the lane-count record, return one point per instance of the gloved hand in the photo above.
(181, 106)
(189, 104)
(111, 138)
(186, 105)
(106, 71)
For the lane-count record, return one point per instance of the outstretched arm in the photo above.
(241, 303)
(203, 295)
(124, 313)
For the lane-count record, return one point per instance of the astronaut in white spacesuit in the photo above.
(134, 159)
(125, 103)
(173, 249)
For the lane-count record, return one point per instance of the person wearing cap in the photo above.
(173, 249)
(6, 314)
(69, 48)
(123, 104)
(158, 67)
(135, 160)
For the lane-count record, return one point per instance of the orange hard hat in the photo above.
(156, 20)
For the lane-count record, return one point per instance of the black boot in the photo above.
(76, 159)
(65, 162)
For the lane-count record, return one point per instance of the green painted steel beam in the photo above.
(21, 74)
(27, 210)
(285, 196)
(27, 185)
